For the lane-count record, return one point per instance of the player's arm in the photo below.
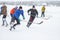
(29, 11)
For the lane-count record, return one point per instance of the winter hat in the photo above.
(16, 7)
(33, 6)
(20, 7)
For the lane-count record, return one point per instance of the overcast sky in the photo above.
(29, 0)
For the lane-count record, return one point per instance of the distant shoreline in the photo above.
(38, 3)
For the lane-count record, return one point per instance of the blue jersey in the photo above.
(17, 13)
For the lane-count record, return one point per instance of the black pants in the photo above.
(0, 13)
(43, 15)
(12, 19)
(4, 20)
(17, 20)
(30, 20)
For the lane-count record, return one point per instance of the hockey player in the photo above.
(16, 16)
(33, 14)
(4, 13)
(11, 13)
(43, 11)
(0, 10)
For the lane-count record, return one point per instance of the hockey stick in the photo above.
(33, 22)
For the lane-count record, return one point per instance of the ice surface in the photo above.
(48, 30)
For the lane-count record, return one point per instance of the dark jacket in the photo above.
(4, 10)
(33, 12)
